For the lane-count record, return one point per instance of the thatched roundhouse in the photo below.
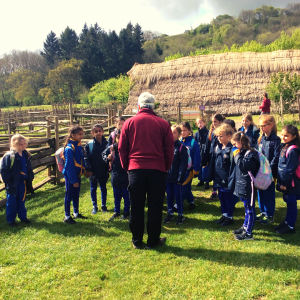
(232, 83)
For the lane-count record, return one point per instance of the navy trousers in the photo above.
(249, 215)
(227, 202)
(291, 212)
(118, 194)
(186, 190)
(203, 173)
(93, 185)
(266, 200)
(15, 205)
(174, 191)
(72, 194)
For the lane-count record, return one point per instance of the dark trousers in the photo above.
(103, 189)
(174, 191)
(249, 215)
(186, 190)
(118, 194)
(266, 200)
(72, 194)
(227, 202)
(150, 183)
(291, 212)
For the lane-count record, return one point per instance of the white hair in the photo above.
(146, 100)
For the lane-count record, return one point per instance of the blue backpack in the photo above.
(190, 161)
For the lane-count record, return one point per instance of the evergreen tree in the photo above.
(51, 49)
(68, 44)
(138, 41)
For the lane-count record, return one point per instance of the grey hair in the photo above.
(146, 100)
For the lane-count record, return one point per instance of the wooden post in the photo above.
(120, 113)
(57, 173)
(48, 135)
(9, 124)
(298, 106)
(71, 112)
(179, 114)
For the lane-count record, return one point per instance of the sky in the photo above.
(25, 24)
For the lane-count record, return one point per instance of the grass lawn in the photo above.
(94, 259)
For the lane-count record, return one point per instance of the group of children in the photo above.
(228, 157)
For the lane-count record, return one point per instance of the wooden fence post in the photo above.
(57, 173)
(120, 113)
(298, 105)
(71, 112)
(48, 137)
(9, 124)
(179, 114)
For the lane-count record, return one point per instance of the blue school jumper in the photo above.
(252, 133)
(94, 163)
(240, 183)
(119, 180)
(213, 144)
(201, 138)
(270, 147)
(286, 176)
(16, 177)
(186, 191)
(219, 171)
(176, 176)
(73, 170)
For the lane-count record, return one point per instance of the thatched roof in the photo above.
(230, 82)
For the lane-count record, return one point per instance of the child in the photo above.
(176, 176)
(17, 174)
(245, 160)
(270, 146)
(231, 123)
(188, 141)
(200, 138)
(249, 128)
(119, 179)
(219, 168)
(99, 168)
(119, 124)
(287, 181)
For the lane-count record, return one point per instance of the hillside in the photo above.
(263, 25)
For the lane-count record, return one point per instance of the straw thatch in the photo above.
(231, 83)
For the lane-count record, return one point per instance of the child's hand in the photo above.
(88, 174)
(283, 188)
(76, 185)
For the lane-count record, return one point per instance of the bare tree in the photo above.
(246, 16)
(150, 35)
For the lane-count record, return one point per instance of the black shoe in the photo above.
(95, 210)
(280, 226)
(69, 220)
(192, 206)
(206, 185)
(286, 230)
(244, 237)
(200, 183)
(80, 216)
(227, 222)
(213, 196)
(180, 220)
(161, 242)
(126, 216)
(26, 221)
(175, 208)
(12, 224)
(114, 216)
(139, 246)
(168, 218)
(239, 231)
(266, 220)
(259, 217)
(104, 208)
(221, 220)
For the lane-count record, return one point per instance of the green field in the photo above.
(94, 259)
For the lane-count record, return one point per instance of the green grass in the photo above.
(94, 259)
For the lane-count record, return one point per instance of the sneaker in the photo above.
(192, 206)
(141, 246)
(206, 185)
(239, 231)
(104, 208)
(26, 221)
(161, 242)
(280, 226)
(266, 220)
(168, 218)
(244, 237)
(200, 183)
(221, 220)
(227, 222)
(69, 220)
(260, 217)
(180, 220)
(213, 196)
(175, 208)
(114, 216)
(12, 224)
(286, 229)
(79, 216)
(95, 210)
(126, 216)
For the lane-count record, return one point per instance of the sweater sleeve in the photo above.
(6, 173)
(292, 162)
(124, 147)
(168, 146)
(87, 158)
(183, 164)
(70, 166)
(196, 159)
(275, 160)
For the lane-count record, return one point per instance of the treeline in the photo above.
(69, 65)
(263, 25)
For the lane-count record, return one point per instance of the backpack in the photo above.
(190, 162)
(297, 173)
(60, 158)
(12, 160)
(91, 146)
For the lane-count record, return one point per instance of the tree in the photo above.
(150, 35)
(68, 43)
(138, 41)
(64, 82)
(246, 16)
(158, 49)
(51, 49)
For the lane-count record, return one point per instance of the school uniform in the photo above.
(18, 180)
(252, 133)
(270, 147)
(201, 138)
(240, 183)
(112, 137)
(119, 180)
(74, 168)
(176, 176)
(186, 191)
(99, 168)
(286, 177)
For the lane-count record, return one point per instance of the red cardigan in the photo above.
(265, 107)
(146, 142)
